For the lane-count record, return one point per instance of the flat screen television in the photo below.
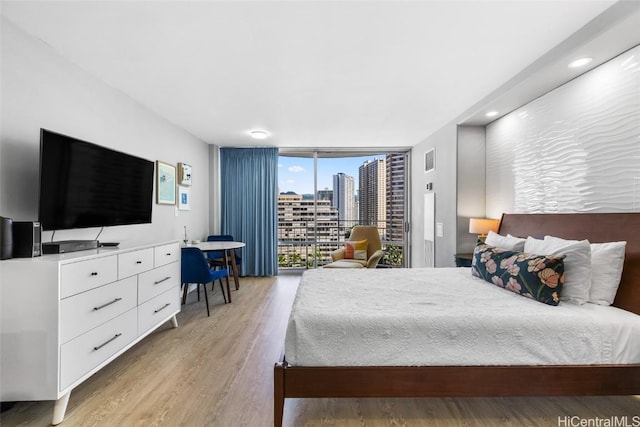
(86, 185)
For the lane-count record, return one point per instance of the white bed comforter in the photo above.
(444, 316)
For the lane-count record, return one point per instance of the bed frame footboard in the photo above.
(451, 381)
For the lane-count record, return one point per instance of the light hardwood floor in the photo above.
(218, 370)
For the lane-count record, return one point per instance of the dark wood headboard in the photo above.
(597, 228)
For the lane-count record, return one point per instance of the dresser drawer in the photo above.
(131, 263)
(84, 275)
(166, 254)
(157, 281)
(85, 311)
(84, 353)
(158, 309)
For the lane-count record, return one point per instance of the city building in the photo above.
(373, 193)
(325, 194)
(298, 232)
(396, 174)
(344, 199)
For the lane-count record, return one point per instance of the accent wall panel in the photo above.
(575, 149)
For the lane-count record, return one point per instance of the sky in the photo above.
(296, 173)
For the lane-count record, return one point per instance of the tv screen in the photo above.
(86, 185)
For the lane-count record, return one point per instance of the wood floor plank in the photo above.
(218, 371)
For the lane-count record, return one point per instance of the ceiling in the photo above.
(316, 74)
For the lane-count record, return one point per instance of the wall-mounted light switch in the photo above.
(439, 229)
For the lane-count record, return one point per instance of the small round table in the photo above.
(229, 252)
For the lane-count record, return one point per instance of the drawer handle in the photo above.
(138, 262)
(162, 308)
(162, 280)
(109, 303)
(106, 342)
(168, 254)
(94, 273)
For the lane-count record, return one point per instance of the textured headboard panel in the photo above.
(597, 228)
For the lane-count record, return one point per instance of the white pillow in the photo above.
(607, 260)
(577, 264)
(507, 242)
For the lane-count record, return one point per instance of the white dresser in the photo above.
(64, 317)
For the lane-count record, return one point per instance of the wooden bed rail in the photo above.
(451, 381)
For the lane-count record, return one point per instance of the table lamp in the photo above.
(481, 226)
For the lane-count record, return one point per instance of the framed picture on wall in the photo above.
(165, 183)
(184, 174)
(184, 198)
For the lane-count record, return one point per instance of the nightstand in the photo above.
(463, 260)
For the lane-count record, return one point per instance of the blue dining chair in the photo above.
(216, 258)
(195, 269)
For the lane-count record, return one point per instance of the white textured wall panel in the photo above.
(575, 149)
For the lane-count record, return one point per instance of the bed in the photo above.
(463, 380)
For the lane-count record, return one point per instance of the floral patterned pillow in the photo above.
(534, 276)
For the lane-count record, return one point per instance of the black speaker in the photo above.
(6, 238)
(27, 237)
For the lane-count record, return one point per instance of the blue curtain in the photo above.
(249, 197)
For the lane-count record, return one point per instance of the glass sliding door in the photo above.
(322, 195)
(296, 211)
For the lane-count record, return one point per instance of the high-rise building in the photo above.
(325, 194)
(301, 223)
(344, 199)
(395, 171)
(373, 193)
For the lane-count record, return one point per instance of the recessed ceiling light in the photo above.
(580, 62)
(491, 114)
(259, 134)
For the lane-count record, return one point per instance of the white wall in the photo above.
(41, 89)
(615, 28)
(471, 184)
(443, 179)
(575, 149)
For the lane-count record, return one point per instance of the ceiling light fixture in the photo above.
(491, 114)
(580, 62)
(258, 134)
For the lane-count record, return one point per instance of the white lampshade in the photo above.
(482, 226)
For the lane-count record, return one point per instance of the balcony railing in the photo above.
(304, 247)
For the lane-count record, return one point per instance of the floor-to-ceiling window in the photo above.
(322, 195)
